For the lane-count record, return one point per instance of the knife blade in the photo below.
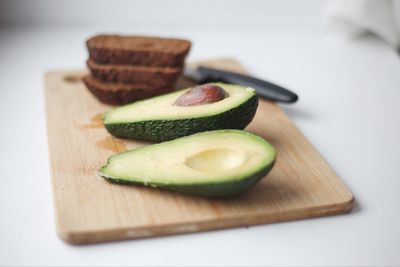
(265, 89)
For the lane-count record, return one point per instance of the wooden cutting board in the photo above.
(89, 209)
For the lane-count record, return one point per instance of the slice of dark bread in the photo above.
(118, 93)
(138, 50)
(151, 76)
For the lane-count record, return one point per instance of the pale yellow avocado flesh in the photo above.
(223, 155)
(162, 107)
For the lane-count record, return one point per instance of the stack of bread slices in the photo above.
(124, 69)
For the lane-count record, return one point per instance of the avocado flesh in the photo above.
(219, 163)
(158, 119)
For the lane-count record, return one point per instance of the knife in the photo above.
(268, 90)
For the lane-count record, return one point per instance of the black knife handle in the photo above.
(263, 88)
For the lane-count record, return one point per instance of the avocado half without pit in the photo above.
(219, 163)
(170, 116)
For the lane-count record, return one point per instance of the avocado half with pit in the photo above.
(160, 118)
(219, 163)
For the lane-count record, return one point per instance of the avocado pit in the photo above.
(202, 94)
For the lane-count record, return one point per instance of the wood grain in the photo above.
(89, 209)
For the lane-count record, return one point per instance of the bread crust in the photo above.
(138, 50)
(152, 76)
(119, 94)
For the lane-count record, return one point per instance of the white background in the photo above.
(349, 109)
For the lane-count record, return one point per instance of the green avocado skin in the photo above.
(210, 190)
(164, 130)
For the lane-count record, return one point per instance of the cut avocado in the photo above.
(159, 119)
(219, 163)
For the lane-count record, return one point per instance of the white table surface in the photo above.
(349, 109)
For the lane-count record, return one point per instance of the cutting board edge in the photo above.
(114, 234)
